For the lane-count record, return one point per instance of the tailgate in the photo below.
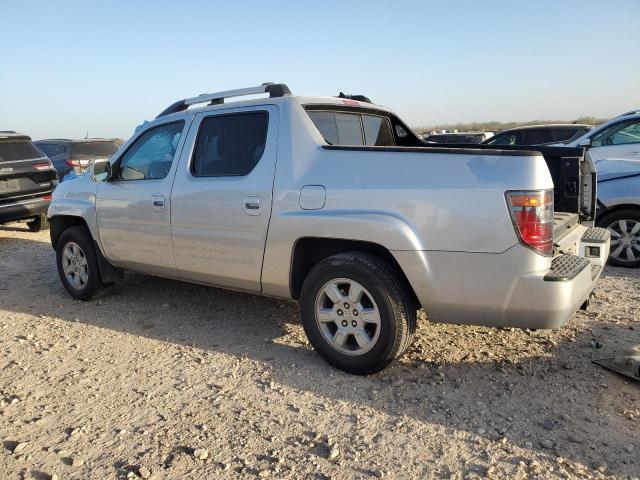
(24, 171)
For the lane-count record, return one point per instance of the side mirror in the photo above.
(585, 142)
(101, 170)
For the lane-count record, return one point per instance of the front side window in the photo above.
(507, 138)
(353, 129)
(537, 136)
(151, 155)
(618, 134)
(230, 145)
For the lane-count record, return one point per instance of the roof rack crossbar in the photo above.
(274, 90)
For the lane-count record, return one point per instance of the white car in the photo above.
(618, 138)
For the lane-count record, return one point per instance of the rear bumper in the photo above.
(20, 210)
(515, 288)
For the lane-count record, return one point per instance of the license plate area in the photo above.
(9, 186)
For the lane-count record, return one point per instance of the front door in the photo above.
(620, 141)
(134, 207)
(222, 194)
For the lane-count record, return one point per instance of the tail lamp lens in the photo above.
(532, 216)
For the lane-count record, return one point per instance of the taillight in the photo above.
(532, 215)
(73, 162)
(47, 197)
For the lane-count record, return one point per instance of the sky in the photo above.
(68, 68)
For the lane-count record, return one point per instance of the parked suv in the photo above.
(27, 179)
(74, 157)
(335, 202)
(458, 137)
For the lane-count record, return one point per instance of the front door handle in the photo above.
(158, 202)
(251, 205)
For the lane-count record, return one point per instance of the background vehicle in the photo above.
(538, 134)
(615, 149)
(76, 156)
(358, 220)
(27, 179)
(457, 137)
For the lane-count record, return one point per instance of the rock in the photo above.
(378, 473)
(263, 473)
(144, 472)
(19, 447)
(201, 453)
(596, 344)
(546, 443)
(77, 461)
(54, 476)
(165, 305)
(334, 452)
(481, 431)
(600, 467)
(630, 448)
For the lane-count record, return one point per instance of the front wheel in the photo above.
(77, 263)
(624, 226)
(357, 312)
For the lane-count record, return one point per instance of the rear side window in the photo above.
(101, 149)
(343, 128)
(18, 150)
(507, 138)
(230, 145)
(52, 149)
(562, 134)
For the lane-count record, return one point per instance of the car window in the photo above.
(506, 138)
(18, 150)
(230, 145)
(618, 134)
(52, 149)
(338, 128)
(377, 131)
(151, 154)
(563, 134)
(536, 136)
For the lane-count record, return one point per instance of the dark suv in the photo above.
(76, 156)
(27, 178)
(539, 134)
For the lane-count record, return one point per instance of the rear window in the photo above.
(52, 149)
(345, 128)
(101, 149)
(20, 150)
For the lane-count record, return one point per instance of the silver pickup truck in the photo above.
(335, 202)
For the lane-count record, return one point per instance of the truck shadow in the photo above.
(455, 377)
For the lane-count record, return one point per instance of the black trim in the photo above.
(359, 98)
(277, 90)
(108, 272)
(426, 149)
(631, 175)
(178, 106)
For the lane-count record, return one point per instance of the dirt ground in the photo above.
(161, 379)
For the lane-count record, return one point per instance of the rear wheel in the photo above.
(357, 312)
(77, 263)
(624, 226)
(39, 223)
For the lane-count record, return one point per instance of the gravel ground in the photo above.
(161, 379)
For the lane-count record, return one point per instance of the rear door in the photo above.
(24, 171)
(222, 195)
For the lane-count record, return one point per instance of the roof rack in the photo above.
(273, 89)
(359, 98)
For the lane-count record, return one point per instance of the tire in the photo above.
(76, 253)
(621, 243)
(39, 223)
(359, 346)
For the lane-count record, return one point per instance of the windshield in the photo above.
(95, 149)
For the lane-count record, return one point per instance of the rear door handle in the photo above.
(251, 205)
(158, 202)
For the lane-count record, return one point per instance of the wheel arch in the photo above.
(60, 223)
(616, 208)
(309, 251)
